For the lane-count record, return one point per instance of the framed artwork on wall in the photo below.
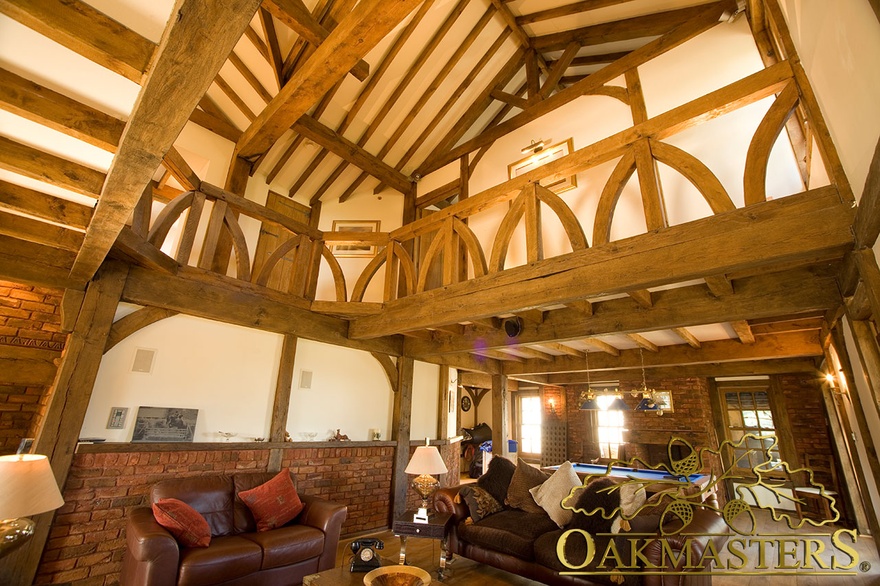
(354, 249)
(165, 424)
(555, 183)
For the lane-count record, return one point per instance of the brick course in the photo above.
(87, 540)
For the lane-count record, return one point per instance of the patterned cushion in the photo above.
(524, 478)
(274, 503)
(183, 522)
(480, 503)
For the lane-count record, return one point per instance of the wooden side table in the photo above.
(436, 528)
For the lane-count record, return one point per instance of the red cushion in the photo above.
(182, 521)
(274, 503)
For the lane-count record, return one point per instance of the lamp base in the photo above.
(14, 533)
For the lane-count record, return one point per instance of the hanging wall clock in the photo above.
(465, 403)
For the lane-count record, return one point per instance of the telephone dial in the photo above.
(365, 557)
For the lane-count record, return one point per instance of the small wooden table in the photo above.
(437, 527)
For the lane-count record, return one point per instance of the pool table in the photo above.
(660, 476)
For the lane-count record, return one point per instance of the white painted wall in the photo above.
(226, 372)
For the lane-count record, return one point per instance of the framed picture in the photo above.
(664, 399)
(354, 249)
(164, 424)
(554, 183)
(117, 417)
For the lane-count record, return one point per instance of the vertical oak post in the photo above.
(500, 416)
(281, 404)
(401, 429)
(68, 402)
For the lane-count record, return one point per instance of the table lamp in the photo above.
(425, 462)
(27, 487)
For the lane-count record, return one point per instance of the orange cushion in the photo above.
(274, 503)
(183, 522)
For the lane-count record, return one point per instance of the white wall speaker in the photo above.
(143, 360)
(305, 379)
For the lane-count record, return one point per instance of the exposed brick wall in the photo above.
(30, 317)
(87, 541)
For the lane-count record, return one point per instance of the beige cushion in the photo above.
(525, 477)
(549, 495)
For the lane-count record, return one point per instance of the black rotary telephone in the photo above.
(365, 557)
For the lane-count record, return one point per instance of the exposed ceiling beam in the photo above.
(601, 346)
(208, 295)
(184, 68)
(643, 343)
(743, 331)
(50, 108)
(788, 345)
(349, 151)
(708, 369)
(650, 25)
(760, 234)
(85, 30)
(39, 232)
(36, 164)
(688, 337)
(369, 22)
(35, 264)
(34, 203)
(760, 296)
(294, 14)
(707, 19)
(566, 10)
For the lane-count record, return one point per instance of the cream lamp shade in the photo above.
(426, 460)
(28, 486)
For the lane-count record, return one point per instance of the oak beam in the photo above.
(400, 427)
(35, 203)
(709, 369)
(35, 264)
(294, 14)
(211, 296)
(791, 345)
(86, 31)
(743, 331)
(759, 233)
(161, 111)
(134, 322)
(601, 346)
(500, 416)
(36, 164)
(69, 399)
(281, 400)
(50, 108)
(760, 296)
(39, 232)
(688, 337)
(369, 22)
(867, 223)
(27, 366)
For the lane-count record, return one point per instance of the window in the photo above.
(529, 424)
(610, 427)
(748, 412)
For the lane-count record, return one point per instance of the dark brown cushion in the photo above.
(273, 503)
(479, 502)
(227, 559)
(511, 531)
(183, 522)
(593, 504)
(524, 478)
(288, 545)
(497, 478)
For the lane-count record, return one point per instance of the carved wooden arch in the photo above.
(133, 322)
(692, 169)
(166, 218)
(453, 226)
(758, 156)
(528, 199)
(393, 250)
(390, 369)
(266, 271)
(239, 246)
(336, 271)
(610, 196)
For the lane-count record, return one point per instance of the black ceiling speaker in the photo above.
(513, 326)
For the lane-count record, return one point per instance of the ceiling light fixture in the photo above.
(648, 403)
(534, 147)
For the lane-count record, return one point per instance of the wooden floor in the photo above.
(425, 553)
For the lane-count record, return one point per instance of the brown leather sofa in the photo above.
(238, 553)
(525, 544)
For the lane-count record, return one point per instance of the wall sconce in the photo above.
(552, 404)
(534, 147)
